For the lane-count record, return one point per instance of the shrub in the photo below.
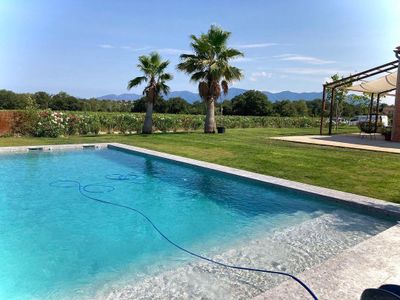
(164, 123)
(52, 124)
(369, 127)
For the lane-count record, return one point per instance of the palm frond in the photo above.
(201, 75)
(163, 88)
(203, 89)
(225, 87)
(162, 66)
(218, 37)
(136, 81)
(232, 73)
(210, 60)
(230, 53)
(186, 56)
(153, 68)
(165, 77)
(155, 58)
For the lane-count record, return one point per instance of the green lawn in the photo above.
(362, 172)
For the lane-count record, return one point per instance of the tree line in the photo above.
(250, 103)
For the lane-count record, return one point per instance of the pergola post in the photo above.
(377, 110)
(331, 109)
(321, 126)
(370, 108)
(396, 114)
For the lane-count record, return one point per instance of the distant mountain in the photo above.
(188, 96)
(233, 92)
(288, 95)
(120, 97)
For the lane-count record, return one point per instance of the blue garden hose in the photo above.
(93, 189)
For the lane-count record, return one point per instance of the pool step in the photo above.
(293, 249)
(35, 149)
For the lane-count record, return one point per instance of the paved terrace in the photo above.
(354, 141)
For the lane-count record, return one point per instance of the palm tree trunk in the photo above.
(209, 125)
(148, 120)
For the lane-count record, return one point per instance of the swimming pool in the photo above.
(56, 243)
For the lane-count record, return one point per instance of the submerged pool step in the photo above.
(290, 249)
(90, 147)
(35, 149)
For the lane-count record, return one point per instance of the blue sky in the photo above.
(90, 48)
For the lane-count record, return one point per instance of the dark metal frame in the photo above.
(386, 68)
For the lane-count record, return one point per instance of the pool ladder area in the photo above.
(46, 148)
(34, 149)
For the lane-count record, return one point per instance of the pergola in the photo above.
(376, 88)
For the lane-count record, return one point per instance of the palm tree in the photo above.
(155, 75)
(209, 65)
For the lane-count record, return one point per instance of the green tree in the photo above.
(227, 107)
(42, 99)
(209, 65)
(177, 105)
(301, 108)
(284, 108)
(11, 100)
(153, 69)
(63, 101)
(340, 97)
(198, 108)
(314, 107)
(251, 103)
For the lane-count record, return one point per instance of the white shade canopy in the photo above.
(380, 85)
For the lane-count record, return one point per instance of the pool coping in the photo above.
(374, 259)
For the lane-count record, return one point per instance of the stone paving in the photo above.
(353, 141)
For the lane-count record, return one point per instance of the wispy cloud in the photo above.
(138, 49)
(255, 76)
(106, 46)
(172, 51)
(243, 59)
(313, 71)
(303, 58)
(130, 48)
(259, 45)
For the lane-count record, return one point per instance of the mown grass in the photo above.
(366, 173)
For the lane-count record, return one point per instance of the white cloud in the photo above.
(255, 76)
(135, 49)
(313, 71)
(172, 51)
(260, 45)
(243, 59)
(303, 58)
(106, 46)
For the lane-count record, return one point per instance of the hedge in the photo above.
(47, 123)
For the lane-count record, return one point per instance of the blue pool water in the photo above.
(56, 243)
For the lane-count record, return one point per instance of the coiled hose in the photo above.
(84, 190)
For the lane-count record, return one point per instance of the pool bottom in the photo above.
(293, 250)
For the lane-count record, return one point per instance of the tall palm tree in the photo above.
(209, 65)
(153, 68)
